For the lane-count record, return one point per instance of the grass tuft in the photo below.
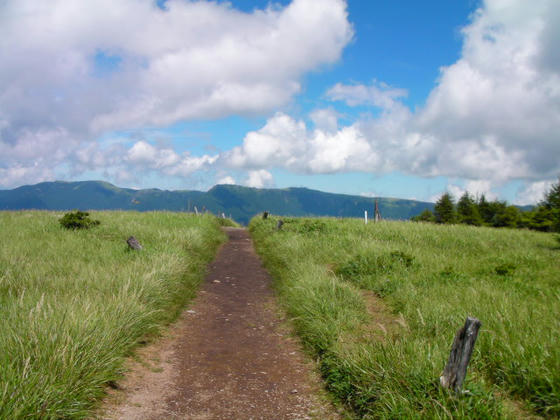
(74, 304)
(430, 277)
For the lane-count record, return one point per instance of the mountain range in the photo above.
(237, 202)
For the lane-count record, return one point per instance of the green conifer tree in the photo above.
(485, 210)
(551, 203)
(467, 211)
(444, 209)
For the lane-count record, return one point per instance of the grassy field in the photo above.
(379, 306)
(73, 304)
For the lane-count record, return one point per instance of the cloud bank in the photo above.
(493, 116)
(73, 70)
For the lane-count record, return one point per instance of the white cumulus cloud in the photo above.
(259, 179)
(534, 192)
(493, 116)
(72, 70)
(226, 180)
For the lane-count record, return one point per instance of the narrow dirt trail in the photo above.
(228, 357)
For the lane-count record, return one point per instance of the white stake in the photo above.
(365, 216)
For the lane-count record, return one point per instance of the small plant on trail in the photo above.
(505, 269)
(402, 257)
(227, 222)
(78, 220)
(359, 265)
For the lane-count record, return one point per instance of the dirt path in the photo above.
(229, 356)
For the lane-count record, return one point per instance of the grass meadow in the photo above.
(379, 304)
(74, 304)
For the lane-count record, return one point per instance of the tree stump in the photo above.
(461, 351)
(133, 243)
(279, 225)
(265, 215)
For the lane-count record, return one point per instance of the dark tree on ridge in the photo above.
(467, 211)
(444, 209)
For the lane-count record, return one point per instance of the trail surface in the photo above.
(228, 357)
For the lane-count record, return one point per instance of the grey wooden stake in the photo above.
(133, 243)
(456, 369)
(196, 210)
(365, 216)
(279, 225)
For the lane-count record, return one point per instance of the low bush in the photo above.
(505, 269)
(78, 220)
(369, 264)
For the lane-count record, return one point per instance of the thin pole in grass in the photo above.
(365, 216)
(456, 369)
(377, 213)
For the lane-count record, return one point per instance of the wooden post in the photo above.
(279, 225)
(265, 215)
(461, 351)
(133, 243)
(377, 214)
(196, 210)
(365, 216)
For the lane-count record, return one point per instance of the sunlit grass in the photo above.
(73, 304)
(431, 277)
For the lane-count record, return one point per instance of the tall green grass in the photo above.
(430, 277)
(73, 304)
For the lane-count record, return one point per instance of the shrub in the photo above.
(369, 265)
(425, 216)
(505, 269)
(78, 220)
(309, 226)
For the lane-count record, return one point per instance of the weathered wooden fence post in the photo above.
(377, 214)
(133, 243)
(461, 351)
(365, 216)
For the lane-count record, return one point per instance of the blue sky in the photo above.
(404, 99)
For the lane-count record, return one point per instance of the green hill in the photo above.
(241, 203)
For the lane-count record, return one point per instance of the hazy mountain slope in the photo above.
(241, 203)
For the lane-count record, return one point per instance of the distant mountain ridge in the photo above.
(241, 203)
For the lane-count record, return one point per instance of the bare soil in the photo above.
(230, 356)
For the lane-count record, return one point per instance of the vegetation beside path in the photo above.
(386, 363)
(75, 303)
